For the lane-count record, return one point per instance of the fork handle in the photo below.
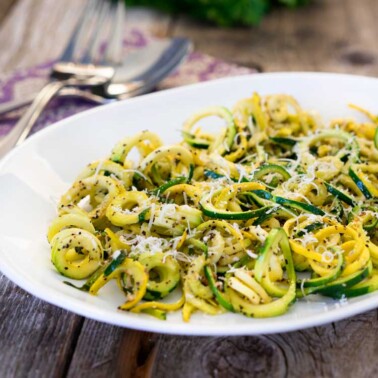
(22, 128)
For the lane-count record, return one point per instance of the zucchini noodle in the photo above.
(272, 207)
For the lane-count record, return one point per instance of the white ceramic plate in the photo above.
(34, 175)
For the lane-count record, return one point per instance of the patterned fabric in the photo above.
(198, 67)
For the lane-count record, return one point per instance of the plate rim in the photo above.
(266, 75)
(87, 310)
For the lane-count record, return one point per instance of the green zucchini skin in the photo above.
(168, 271)
(353, 175)
(105, 270)
(87, 285)
(296, 205)
(299, 205)
(339, 194)
(337, 289)
(220, 297)
(209, 210)
(257, 175)
(212, 175)
(284, 141)
(113, 265)
(353, 148)
(369, 227)
(219, 111)
(276, 237)
(142, 215)
(161, 189)
(271, 168)
(309, 286)
(311, 227)
(156, 313)
(176, 181)
(195, 142)
(264, 194)
(274, 211)
(364, 287)
(215, 176)
(219, 214)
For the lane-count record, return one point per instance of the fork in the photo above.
(78, 66)
(122, 87)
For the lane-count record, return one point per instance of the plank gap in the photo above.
(72, 347)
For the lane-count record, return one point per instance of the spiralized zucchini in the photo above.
(272, 207)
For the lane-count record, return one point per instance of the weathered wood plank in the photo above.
(338, 35)
(196, 357)
(137, 355)
(37, 339)
(343, 349)
(96, 350)
(105, 350)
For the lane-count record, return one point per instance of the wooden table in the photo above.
(40, 340)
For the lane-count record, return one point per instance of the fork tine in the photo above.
(69, 51)
(113, 50)
(89, 31)
(90, 52)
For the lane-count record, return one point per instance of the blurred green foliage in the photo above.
(220, 12)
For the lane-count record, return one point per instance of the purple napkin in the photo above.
(198, 67)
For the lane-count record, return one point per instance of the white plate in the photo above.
(34, 175)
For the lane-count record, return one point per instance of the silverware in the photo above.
(142, 70)
(139, 73)
(78, 66)
(9, 107)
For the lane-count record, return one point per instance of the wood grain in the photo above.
(96, 350)
(37, 339)
(342, 349)
(219, 357)
(137, 355)
(105, 350)
(335, 36)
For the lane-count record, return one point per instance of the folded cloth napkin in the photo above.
(198, 67)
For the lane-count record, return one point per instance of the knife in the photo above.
(139, 73)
